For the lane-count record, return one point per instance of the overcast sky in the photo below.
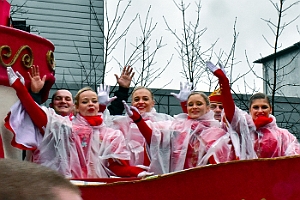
(218, 17)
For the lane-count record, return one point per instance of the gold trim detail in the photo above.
(27, 59)
(51, 60)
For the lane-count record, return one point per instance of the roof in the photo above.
(287, 50)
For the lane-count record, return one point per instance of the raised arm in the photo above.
(36, 84)
(37, 115)
(103, 97)
(116, 107)
(183, 95)
(227, 100)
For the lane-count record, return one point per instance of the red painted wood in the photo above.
(274, 179)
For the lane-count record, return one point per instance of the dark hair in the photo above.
(55, 93)
(205, 97)
(259, 95)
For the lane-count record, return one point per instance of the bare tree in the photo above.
(146, 52)
(141, 53)
(193, 57)
(275, 74)
(275, 82)
(189, 45)
(17, 9)
(277, 70)
(112, 35)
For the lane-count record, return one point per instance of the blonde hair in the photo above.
(143, 87)
(87, 88)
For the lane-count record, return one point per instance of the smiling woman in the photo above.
(142, 99)
(259, 106)
(197, 105)
(262, 138)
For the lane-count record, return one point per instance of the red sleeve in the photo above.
(123, 169)
(143, 127)
(183, 106)
(227, 100)
(37, 115)
(102, 108)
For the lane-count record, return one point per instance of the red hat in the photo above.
(215, 96)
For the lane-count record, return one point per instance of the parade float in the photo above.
(261, 179)
(20, 50)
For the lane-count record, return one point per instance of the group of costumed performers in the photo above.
(97, 142)
(79, 146)
(189, 140)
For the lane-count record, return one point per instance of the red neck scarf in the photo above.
(93, 120)
(262, 120)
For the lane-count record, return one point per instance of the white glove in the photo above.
(12, 76)
(185, 91)
(211, 66)
(21, 77)
(222, 68)
(103, 95)
(144, 173)
(129, 109)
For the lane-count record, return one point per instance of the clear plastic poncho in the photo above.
(71, 147)
(265, 142)
(187, 143)
(95, 145)
(135, 141)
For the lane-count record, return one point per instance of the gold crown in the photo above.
(216, 92)
(215, 95)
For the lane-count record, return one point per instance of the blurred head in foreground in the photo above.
(25, 180)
